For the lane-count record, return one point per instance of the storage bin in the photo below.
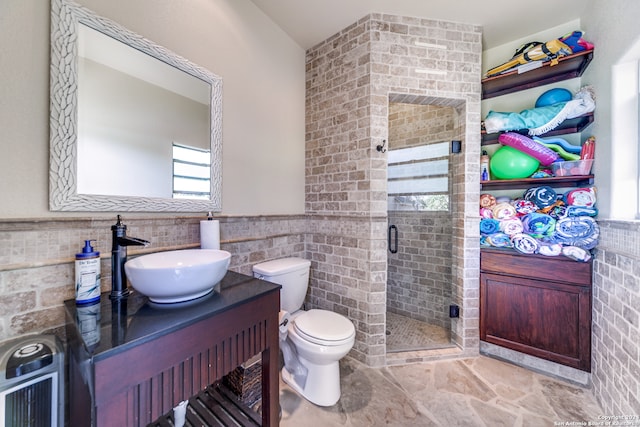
(572, 168)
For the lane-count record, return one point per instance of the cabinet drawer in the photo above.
(558, 269)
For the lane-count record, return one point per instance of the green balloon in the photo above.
(510, 163)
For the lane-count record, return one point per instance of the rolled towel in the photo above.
(581, 197)
(503, 211)
(524, 207)
(551, 207)
(486, 213)
(549, 249)
(524, 243)
(511, 226)
(499, 240)
(541, 196)
(581, 211)
(538, 225)
(489, 226)
(580, 231)
(557, 211)
(487, 201)
(576, 253)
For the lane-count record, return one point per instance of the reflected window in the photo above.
(191, 172)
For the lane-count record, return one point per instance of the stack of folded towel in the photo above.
(542, 222)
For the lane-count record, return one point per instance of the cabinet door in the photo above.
(542, 318)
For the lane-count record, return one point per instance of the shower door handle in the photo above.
(393, 230)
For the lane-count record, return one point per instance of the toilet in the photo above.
(312, 342)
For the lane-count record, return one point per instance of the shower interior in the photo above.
(419, 259)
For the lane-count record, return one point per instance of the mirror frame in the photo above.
(63, 195)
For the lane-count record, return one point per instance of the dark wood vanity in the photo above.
(131, 362)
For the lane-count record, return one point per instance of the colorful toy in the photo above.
(588, 150)
(575, 41)
(533, 51)
(528, 146)
(562, 143)
(509, 163)
(563, 148)
(552, 96)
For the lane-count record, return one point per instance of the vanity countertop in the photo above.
(107, 328)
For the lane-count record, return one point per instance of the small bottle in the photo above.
(484, 166)
(87, 275)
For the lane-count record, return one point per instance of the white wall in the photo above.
(263, 104)
(613, 25)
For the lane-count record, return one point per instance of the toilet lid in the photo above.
(324, 326)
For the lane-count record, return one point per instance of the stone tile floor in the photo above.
(406, 334)
(479, 391)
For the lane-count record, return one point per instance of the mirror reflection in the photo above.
(132, 110)
(134, 127)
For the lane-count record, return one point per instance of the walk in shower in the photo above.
(419, 256)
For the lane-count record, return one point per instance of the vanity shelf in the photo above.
(218, 407)
(568, 67)
(139, 359)
(555, 182)
(575, 125)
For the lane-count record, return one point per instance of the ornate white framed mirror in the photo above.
(123, 112)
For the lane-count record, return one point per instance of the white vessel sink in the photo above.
(177, 276)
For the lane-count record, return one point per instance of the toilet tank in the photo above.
(292, 274)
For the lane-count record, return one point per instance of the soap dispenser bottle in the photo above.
(87, 275)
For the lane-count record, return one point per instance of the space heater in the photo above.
(32, 382)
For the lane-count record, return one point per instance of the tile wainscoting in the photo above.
(37, 257)
(616, 318)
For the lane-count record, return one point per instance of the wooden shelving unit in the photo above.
(554, 182)
(575, 125)
(568, 67)
(533, 304)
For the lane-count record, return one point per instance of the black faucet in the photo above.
(120, 241)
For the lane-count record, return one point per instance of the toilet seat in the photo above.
(324, 327)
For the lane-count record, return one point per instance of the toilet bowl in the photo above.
(314, 341)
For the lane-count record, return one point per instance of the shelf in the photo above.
(568, 67)
(555, 182)
(216, 405)
(574, 125)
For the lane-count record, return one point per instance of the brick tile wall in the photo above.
(351, 78)
(616, 319)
